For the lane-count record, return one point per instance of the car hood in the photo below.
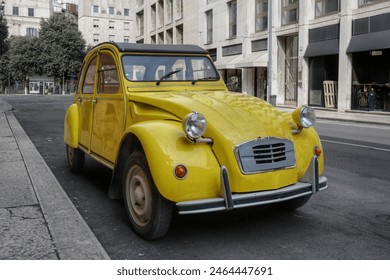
(235, 117)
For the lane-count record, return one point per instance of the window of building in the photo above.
(153, 39)
(111, 10)
(96, 23)
(290, 11)
(327, 7)
(140, 23)
(169, 37)
(15, 11)
(160, 12)
(126, 12)
(291, 69)
(111, 38)
(179, 35)
(140, 3)
(30, 12)
(369, 2)
(153, 16)
(126, 25)
(126, 39)
(169, 11)
(111, 24)
(96, 37)
(179, 9)
(31, 32)
(261, 15)
(209, 26)
(161, 38)
(95, 9)
(232, 7)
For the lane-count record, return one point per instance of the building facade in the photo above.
(326, 53)
(164, 21)
(24, 17)
(102, 21)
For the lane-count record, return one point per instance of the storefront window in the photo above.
(371, 81)
(321, 68)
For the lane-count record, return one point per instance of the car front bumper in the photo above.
(309, 184)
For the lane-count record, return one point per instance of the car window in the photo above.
(154, 67)
(89, 78)
(108, 75)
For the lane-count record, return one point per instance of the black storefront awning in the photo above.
(370, 42)
(321, 48)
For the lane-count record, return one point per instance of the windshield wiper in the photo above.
(204, 79)
(167, 76)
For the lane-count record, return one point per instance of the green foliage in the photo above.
(24, 57)
(57, 52)
(3, 35)
(62, 47)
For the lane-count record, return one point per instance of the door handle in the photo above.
(94, 101)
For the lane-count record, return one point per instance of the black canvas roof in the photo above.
(150, 48)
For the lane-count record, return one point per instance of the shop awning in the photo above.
(370, 42)
(257, 59)
(228, 62)
(327, 47)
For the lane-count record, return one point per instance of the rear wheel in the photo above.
(294, 203)
(76, 159)
(150, 214)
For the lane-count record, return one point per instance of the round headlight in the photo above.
(304, 116)
(194, 125)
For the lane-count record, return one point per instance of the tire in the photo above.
(294, 203)
(149, 213)
(76, 159)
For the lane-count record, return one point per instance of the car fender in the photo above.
(165, 146)
(71, 126)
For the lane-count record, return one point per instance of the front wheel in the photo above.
(150, 214)
(76, 159)
(294, 203)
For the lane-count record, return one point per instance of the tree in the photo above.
(3, 50)
(62, 47)
(24, 58)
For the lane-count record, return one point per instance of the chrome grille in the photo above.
(265, 155)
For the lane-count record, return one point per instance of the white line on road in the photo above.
(356, 145)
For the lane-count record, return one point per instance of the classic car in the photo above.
(162, 119)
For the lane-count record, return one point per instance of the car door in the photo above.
(86, 103)
(108, 111)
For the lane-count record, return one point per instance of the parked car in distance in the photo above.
(161, 117)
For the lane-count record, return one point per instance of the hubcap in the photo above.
(138, 196)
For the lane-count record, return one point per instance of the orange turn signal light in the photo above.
(181, 171)
(317, 151)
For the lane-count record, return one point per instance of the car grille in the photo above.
(265, 154)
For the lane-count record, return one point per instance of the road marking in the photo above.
(356, 145)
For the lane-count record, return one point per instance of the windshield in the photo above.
(161, 68)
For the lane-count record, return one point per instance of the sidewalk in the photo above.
(37, 219)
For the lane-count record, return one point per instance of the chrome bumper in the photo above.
(310, 183)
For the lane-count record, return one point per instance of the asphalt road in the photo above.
(350, 220)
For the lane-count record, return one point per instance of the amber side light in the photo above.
(317, 151)
(181, 171)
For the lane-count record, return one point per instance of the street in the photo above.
(349, 220)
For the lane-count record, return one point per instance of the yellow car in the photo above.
(163, 120)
